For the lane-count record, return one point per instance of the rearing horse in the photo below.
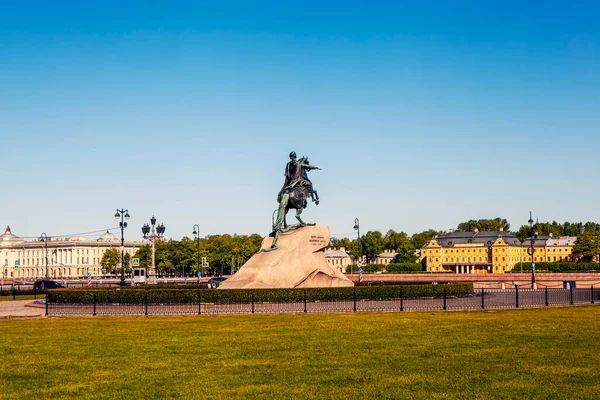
(293, 196)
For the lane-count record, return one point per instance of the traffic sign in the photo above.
(89, 274)
(16, 262)
(16, 266)
(136, 262)
(199, 274)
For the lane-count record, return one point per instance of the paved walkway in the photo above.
(21, 308)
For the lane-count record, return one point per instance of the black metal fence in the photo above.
(252, 302)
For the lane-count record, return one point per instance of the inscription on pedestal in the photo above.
(317, 240)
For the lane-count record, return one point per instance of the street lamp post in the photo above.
(531, 250)
(357, 229)
(123, 215)
(157, 232)
(44, 238)
(196, 233)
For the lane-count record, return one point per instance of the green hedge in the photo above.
(394, 268)
(233, 296)
(559, 267)
(400, 268)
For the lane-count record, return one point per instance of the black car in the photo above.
(214, 283)
(46, 284)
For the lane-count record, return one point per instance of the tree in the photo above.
(495, 224)
(372, 244)
(587, 246)
(400, 242)
(144, 254)
(110, 260)
(420, 239)
(556, 229)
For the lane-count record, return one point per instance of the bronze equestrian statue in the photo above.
(296, 189)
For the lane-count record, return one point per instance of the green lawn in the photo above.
(524, 353)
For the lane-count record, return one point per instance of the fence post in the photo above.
(146, 300)
(95, 302)
(252, 292)
(483, 298)
(354, 298)
(401, 300)
(199, 302)
(14, 293)
(34, 293)
(47, 300)
(571, 293)
(546, 290)
(592, 287)
(444, 298)
(517, 296)
(304, 300)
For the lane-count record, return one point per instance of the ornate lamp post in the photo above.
(44, 238)
(123, 215)
(157, 232)
(357, 229)
(196, 233)
(531, 250)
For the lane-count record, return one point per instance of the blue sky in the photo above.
(421, 114)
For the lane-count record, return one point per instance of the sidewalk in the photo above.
(21, 308)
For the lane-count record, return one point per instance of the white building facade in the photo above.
(68, 258)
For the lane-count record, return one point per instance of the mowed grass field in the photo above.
(517, 353)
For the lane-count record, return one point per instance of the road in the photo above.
(21, 308)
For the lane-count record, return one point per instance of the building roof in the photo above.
(77, 239)
(8, 238)
(387, 255)
(486, 237)
(336, 254)
(107, 237)
(552, 241)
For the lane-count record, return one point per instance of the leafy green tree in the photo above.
(495, 224)
(372, 244)
(420, 239)
(144, 254)
(162, 257)
(556, 229)
(400, 242)
(587, 246)
(110, 260)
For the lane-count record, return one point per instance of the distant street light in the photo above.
(123, 215)
(157, 232)
(357, 229)
(531, 250)
(196, 233)
(44, 238)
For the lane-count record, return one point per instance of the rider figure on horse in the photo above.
(296, 189)
(296, 176)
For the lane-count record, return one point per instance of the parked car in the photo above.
(214, 283)
(46, 284)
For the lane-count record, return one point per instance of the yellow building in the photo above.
(490, 252)
(338, 259)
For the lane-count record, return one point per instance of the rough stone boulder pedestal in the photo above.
(298, 262)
